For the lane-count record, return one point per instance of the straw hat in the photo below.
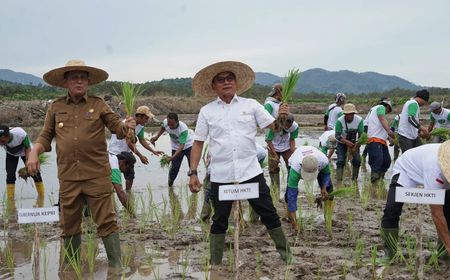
(310, 168)
(349, 108)
(444, 159)
(55, 77)
(202, 82)
(144, 110)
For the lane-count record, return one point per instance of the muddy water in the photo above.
(157, 259)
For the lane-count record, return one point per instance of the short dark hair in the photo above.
(172, 116)
(4, 130)
(424, 94)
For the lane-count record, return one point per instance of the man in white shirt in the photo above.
(117, 146)
(181, 141)
(280, 143)
(230, 123)
(378, 131)
(334, 111)
(427, 166)
(439, 117)
(409, 127)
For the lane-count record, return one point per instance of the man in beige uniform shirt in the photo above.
(77, 123)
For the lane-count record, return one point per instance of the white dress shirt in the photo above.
(232, 129)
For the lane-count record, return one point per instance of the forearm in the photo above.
(414, 122)
(431, 126)
(196, 153)
(37, 149)
(178, 151)
(146, 145)
(292, 145)
(440, 222)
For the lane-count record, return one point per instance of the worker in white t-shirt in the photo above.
(409, 127)
(427, 166)
(439, 117)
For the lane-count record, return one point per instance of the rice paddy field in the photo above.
(167, 240)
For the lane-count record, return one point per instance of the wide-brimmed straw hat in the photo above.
(310, 168)
(444, 159)
(349, 108)
(55, 77)
(202, 82)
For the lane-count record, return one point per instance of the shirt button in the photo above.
(76, 117)
(75, 139)
(76, 126)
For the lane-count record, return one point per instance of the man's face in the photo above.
(141, 119)
(123, 166)
(287, 125)
(437, 111)
(77, 83)
(277, 96)
(4, 140)
(349, 117)
(224, 84)
(172, 123)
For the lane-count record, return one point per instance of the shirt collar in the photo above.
(85, 98)
(235, 99)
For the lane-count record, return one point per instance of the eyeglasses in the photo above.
(220, 80)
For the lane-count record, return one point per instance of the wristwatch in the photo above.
(192, 172)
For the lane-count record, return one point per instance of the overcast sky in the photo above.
(149, 40)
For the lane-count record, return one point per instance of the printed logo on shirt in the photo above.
(307, 153)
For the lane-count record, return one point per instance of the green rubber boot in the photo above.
(112, 248)
(390, 241)
(216, 242)
(71, 250)
(281, 244)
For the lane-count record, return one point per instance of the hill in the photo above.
(323, 81)
(20, 78)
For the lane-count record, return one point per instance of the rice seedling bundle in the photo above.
(362, 140)
(442, 132)
(129, 94)
(23, 172)
(288, 84)
(164, 161)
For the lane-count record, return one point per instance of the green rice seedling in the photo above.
(328, 215)
(289, 83)
(319, 267)
(259, 262)
(442, 132)
(206, 262)
(91, 250)
(410, 244)
(9, 258)
(436, 253)
(305, 143)
(364, 198)
(362, 140)
(350, 223)
(230, 255)
(73, 261)
(127, 255)
(129, 94)
(373, 260)
(309, 193)
(185, 263)
(343, 192)
(156, 274)
(359, 252)
(164, 161)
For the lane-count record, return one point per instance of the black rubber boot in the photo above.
(216, 242)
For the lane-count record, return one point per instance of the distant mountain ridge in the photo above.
(313, 80)
(323, 81)
(20, 78)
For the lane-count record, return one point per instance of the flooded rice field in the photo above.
(167, 240)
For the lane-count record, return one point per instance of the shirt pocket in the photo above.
(92, 121)
(62, 121)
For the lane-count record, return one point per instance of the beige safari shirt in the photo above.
(79, 132)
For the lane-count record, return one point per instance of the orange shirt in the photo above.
(79, 132)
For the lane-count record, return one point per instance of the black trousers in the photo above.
(11, 168)
(406, 144)
(393, 210)
(176, 163)
(263, 206)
